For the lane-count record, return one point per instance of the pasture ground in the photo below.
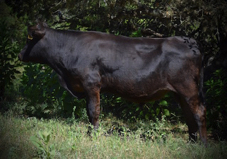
(30, 137)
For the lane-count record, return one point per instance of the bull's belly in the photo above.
(138, 89)
(149, 97)
(156, 96)
(140, 97)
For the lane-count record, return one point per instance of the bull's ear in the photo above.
(37, 31)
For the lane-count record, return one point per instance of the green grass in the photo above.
(28, 138)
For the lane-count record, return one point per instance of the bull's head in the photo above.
(32, 50)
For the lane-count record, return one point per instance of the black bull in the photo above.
(138, 69)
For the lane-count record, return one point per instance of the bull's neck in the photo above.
(59, 47)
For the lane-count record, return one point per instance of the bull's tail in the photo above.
(201, 93)
(197, 48)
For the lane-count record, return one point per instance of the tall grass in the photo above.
(56, 138)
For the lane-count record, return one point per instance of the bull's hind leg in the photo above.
(194, 111)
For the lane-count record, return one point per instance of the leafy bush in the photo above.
(135, 111)
(45, 96)
(217, 103)
(9, 49)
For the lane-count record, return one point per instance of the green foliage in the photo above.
(34, 79)
(134, 111)
(217, 103)
(45, 97)
(9, 49)
(42, 143)
(137, 33)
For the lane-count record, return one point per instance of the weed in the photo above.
(42, 143)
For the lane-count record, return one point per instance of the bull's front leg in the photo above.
(92, 87)
(93, 107)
